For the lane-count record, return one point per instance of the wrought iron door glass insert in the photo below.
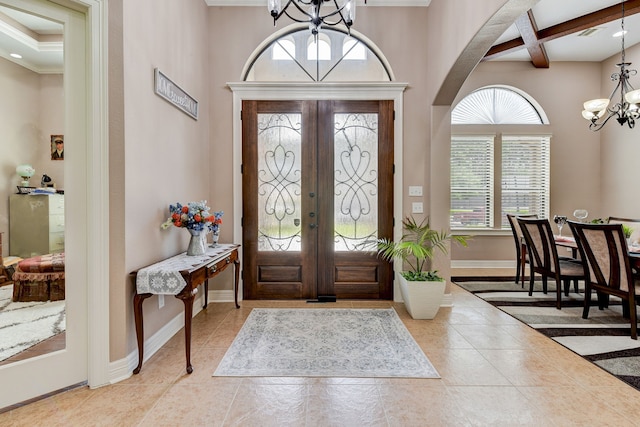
(279, 176)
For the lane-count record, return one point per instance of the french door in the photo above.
(317, 184)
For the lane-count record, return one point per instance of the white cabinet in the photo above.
(36, 224)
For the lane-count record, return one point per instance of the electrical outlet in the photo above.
(160, 301)
(416, 207)
(415, 190)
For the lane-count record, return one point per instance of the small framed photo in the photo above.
(57, 147)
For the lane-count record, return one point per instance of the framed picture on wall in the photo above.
(57, 147)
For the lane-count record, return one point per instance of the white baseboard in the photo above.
(123, 368)
(447, 300)
(222, 296)
(483, 264)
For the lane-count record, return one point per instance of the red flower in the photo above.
(185, 209)
(197, 217)
(210, 218)
(175, 216)
(177, 224)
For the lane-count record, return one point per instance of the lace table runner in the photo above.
(164, 277)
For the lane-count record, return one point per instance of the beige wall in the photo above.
(619, 149)
(160, 154)
(30, 112)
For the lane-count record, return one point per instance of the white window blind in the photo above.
(472, 181)
(525, 176)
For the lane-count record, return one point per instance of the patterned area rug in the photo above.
(603, 338)
(25, 324)
(325, 343)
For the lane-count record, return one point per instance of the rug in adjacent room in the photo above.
(25, 324)
(603, 338)
(325, 343)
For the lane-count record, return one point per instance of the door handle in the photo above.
(313, 225)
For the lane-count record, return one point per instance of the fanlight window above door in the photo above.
(496, 105)
(293, 56)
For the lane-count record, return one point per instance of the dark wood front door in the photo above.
(317, 183)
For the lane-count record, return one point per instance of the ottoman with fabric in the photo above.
(39, 278)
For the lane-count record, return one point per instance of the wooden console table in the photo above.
(194, 270)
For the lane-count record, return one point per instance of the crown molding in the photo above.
(263, 3)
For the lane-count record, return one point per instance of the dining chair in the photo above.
(634, 224)
(544, 260)
(607, 268)
(521, 248)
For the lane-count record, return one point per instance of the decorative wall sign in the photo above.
(175, 95)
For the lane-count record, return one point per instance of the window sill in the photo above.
(481, 232)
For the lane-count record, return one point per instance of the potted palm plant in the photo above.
(422, 289)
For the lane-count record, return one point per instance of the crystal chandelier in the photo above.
(342, 12)
(599, 111)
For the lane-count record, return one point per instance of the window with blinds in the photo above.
(483, 191)
(472, 181)
(525, 176)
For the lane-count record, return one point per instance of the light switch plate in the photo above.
(416, 207)
(415, 190)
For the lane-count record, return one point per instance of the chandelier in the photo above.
(342, 12)
(599, 111)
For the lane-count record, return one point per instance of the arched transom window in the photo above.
(333, 55)
(495, 105)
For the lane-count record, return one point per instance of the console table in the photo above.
(180, 276)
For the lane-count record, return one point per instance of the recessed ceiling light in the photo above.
(619, 33)
(15, 55)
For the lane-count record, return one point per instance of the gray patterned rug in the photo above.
(25, 324)
(325, 343)
(603, 338)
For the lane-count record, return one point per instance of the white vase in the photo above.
(197, 245)
(422, 299)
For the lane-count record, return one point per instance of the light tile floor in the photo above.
(495, 372)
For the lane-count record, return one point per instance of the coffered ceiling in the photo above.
(37, 40)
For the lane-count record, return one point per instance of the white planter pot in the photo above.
(422, 299)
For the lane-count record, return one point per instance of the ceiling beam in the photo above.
(603, 16)
(526, 24)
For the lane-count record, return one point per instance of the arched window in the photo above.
(495, 105)
(352, 49)
(319, 47)
(283, 50)
(518, 177)
(269, 61)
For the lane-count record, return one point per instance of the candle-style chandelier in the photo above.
(599, 111)
(341, 12)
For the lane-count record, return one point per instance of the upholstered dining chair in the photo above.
(607, 268)
(634, 225)
(521, 248)
(544, 260)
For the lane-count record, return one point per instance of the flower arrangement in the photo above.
(193, 216)
(217, 220)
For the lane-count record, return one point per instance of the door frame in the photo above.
(86, 177)
(318, 91)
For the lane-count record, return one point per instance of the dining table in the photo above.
(570, 242)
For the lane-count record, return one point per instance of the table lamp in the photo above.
(25, 172)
